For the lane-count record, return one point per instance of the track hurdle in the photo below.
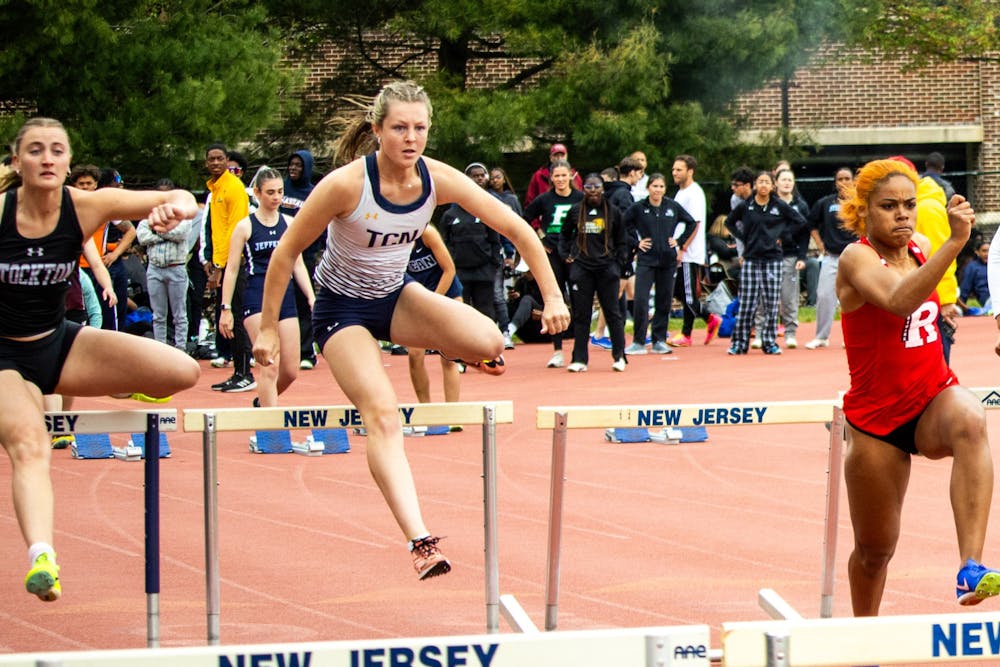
(629, 647)
(132, 421)
(211, 422)
(883, 640)
(561, 419)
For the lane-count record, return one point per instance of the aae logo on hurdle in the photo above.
(991, 400)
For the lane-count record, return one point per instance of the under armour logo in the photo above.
(35, 252)
(273, 232)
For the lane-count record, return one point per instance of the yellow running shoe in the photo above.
(43, 579)
(62, 441)
(149, 399)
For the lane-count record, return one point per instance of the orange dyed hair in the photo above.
(868, 178)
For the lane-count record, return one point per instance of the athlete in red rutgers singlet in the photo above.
(903, 399)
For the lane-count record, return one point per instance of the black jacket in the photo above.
(604, 241)
(763, 226)
(657, 223)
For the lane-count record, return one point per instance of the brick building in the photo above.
(855, 108)
(843, 107)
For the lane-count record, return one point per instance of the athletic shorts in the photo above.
(903, 437)
(253, 297)
(333, 312)
(40, 361)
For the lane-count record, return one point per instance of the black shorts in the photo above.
(903, 437)
(333, 312)
(40, 361)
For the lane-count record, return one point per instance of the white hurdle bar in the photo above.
(560, 419)
(626, 647)
(211, 422)
(151, 422)
(882, 640)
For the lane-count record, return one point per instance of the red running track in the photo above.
(653, 534)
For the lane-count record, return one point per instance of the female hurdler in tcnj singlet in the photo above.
(375, 207)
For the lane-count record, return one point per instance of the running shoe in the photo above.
(635, 349)
(816, 343)
(619, 365)
(428, 560)
(240, 384)
(680, 340)
(601, 341)
(62, 441)
(735, 349)
(772, 348)
(307, 364)
(222, 386)
(712, 327)
(489, 366)
(756, 343)
(556, 360)
(781, 329)
(577, 367)
(508, 342)
(145, 398)
(221, 362)
(659, 347)
(976, 582)
(790, 342)
(43, 579)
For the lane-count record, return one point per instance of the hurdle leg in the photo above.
(152, 500)
(558, 484)
(834, 473)
(211, 478)
(490, 522)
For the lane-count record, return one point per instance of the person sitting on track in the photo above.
(42, 230)
(252, 243)
(376, 206)
(904, 400)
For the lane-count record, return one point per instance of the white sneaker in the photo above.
(635, 348)
(221, 362)
(577, 367)
(619, 365)
(757, 343)
(790, 342)
(556, 360)
(817, 343)
(508, 342)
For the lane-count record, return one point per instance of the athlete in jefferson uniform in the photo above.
(42, 230)
(903, 398)
(375, 207)
(252, 243)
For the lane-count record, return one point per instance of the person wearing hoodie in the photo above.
(298, 185)
(540, 181)
(932, 222)
(618, 193)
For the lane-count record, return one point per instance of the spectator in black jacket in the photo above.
(594, 244)
(475, 247)
(652, 224)
(764, 219)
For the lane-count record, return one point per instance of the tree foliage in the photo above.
(922, 32)
(144, 86)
